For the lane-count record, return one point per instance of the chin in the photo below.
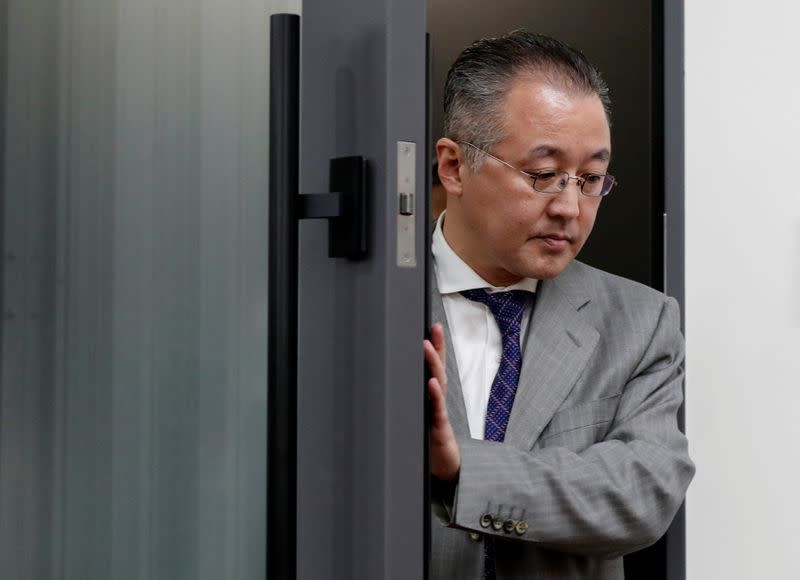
(547, 274)
(546, 269)
(543, 263)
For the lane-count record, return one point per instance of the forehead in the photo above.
(540, 116)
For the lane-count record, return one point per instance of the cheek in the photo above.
(510, 212)
(588, 215)
(527, 209)
(519, 222)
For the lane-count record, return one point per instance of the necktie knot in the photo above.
(507, 307)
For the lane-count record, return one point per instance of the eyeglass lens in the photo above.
(555, 181)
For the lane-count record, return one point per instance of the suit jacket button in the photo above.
(475, 536)
(521, 528)
(509, 526)
(497, 524)
(486, 520)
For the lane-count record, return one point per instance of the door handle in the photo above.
(284, 143)
(345, 210)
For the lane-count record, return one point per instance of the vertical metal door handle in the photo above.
(284, 157)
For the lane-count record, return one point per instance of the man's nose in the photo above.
(566, 204)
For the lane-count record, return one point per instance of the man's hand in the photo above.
(445, 456)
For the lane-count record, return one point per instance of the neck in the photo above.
(456, 239)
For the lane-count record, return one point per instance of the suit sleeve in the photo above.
(616, 496)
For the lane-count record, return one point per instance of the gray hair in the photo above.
(479, 80)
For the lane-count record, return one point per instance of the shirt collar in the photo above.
(454, 275)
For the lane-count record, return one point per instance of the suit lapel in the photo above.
(456, 409)
(559, 345)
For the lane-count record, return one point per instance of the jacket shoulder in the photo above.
(598, 283)
(611, 296)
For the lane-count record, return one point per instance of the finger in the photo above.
(435, 363)
(431, 356)
(439, 406)
(437, 338)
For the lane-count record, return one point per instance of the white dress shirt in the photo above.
(476, 337)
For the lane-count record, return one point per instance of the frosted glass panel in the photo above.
(134, 195)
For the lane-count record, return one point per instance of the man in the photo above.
(555, 387)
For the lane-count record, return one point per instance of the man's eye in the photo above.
(593, 178)
(545, 175)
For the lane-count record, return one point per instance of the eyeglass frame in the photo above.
(579, 180)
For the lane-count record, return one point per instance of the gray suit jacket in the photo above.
(593, 462)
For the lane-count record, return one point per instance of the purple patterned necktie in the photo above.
(507, 308)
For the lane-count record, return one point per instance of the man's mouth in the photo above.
(556, 241)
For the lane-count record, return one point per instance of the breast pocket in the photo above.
(579, 426)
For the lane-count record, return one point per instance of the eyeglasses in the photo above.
(552, 181)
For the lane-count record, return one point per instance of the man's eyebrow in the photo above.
(602, 155)
(543, 151)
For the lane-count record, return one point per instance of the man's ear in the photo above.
(450, 158)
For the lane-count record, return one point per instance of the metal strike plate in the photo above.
(406, 196)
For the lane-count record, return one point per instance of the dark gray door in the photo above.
(360, 378)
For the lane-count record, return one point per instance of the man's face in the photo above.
(499, 224)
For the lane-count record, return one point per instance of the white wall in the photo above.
(743, 288)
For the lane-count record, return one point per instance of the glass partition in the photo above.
(133, 168)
